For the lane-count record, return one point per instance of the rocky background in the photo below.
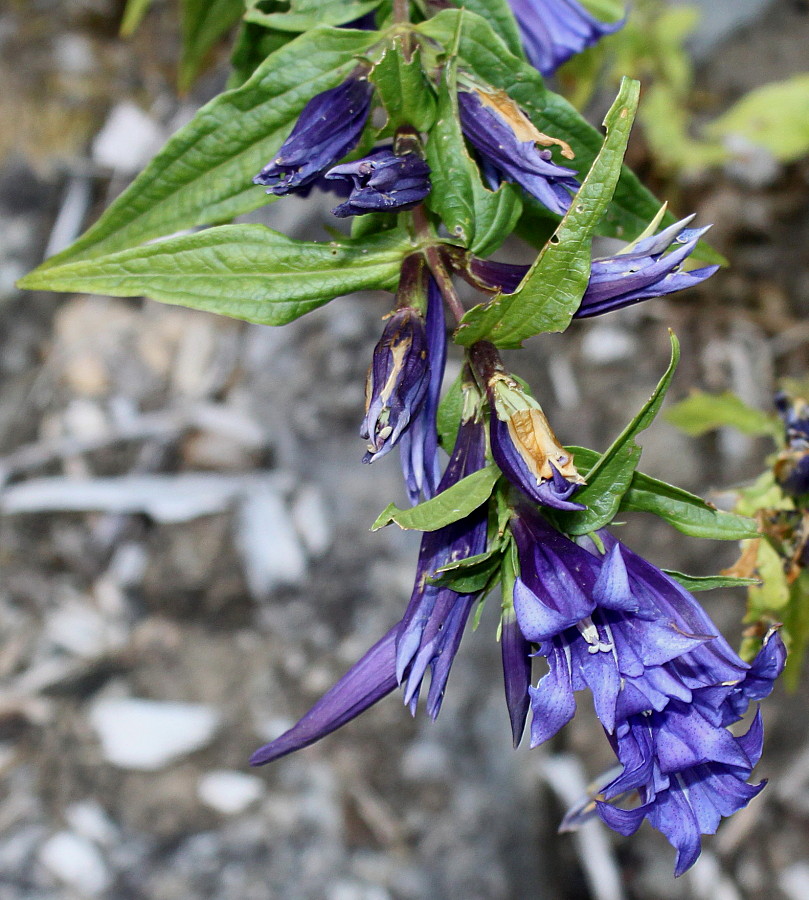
(185, 557)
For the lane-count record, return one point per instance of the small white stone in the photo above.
(147, 735)
(88, 819)
(76, 862)
(311, 520)
(127, 140)
(604, 344)
(79, 629)
(794, 881)
(229, 792)
(266, 539)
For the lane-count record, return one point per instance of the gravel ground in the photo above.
(156, 629)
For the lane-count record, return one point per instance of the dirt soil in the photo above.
(200, 442)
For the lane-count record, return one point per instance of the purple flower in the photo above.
(435, 617)
(688, 773)
(554, 30)
(526, 449)
(382, 182)
(397, 381)
(329, 126)
(642, 271)
(418, 446)
(367, 681)
(792, 466)
(506, 141)
(516, 655)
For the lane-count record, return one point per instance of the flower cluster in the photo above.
(666, 686)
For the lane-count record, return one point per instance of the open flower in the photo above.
(382, 182)
(329, 126)
(507, 143)
(644, 269)
(554, 30)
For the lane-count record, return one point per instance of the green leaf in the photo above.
(455, 503)
(405, 93)
(763, 493)
(610, 478)
(203, 22)
(478, 218)
(470, 575)
(708, 582)
(253, 45)
(448, 418)
(701, 412)
(204, 173)
(773, 592)
(796, 628)
(133, 15)
(774, 117)
(687, 512)
(244, 271)
(303, 15)
(499, 15)
(551, 292)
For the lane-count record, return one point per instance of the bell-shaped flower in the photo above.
(506, 142)
(397, 381)
(647, 268)
(688, 773)
(436, 615)
(554, 30)
(382, 182)
(366, 682)
(329, 126)
(418, 445)
(525, 447)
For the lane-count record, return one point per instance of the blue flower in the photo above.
(641, 271)
(506, 141)
(526, 449)
(436, 615)
(665, 684)
(418, 446)
(427, 636)
(792, 466)
(366, 682)
(397, 381)
(554, 30)
(516, 656)
(382, 182)
(329, 126)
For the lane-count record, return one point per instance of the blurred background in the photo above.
(185, 561)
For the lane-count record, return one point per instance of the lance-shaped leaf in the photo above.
(708, 582)
(455, 503)
(686, 512)
(203, 23)
(610, 478)
(552, 290)
(703, 412)
(478, 218)
(470, 575)
(499, 15)
(302, 15)
(483, 51)
(134, 12)
(245, 271)
(204, 173)
(402, 87)
(450, 410)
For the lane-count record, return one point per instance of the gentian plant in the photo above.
(435, 125)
